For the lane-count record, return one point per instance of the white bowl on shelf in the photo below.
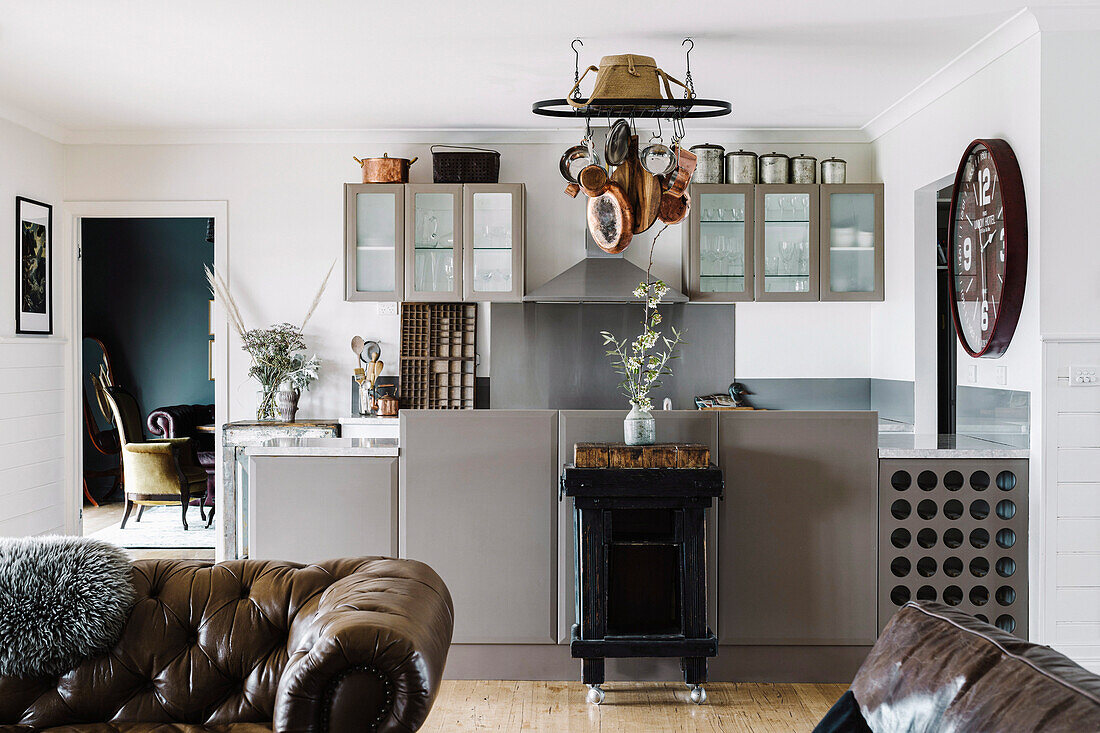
(844, 236)
(865, 239)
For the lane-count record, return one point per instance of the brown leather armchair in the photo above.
(183, 421)
(155, 472)
(251, 646)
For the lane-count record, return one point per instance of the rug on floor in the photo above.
(160, 527)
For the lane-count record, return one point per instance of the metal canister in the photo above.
(803, 169)
(833, 170)
(711, 165)
(775, 168)
(741, 167)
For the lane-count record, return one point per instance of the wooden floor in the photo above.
(96, 518)
(630, 707)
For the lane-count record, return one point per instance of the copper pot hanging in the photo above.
(385, 169)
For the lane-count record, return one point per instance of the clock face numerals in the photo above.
(979, 249)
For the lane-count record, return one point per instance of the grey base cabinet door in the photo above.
(311, 508)
(478, 504)
(579, 426)
(797, 530)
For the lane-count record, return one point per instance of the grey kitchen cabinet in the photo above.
(310, 508)
(786, 242)
(434, 242)
(578, 426)
(477, 504)
(798, 528)
(374, 237)
(851, 239)
(493, 241)
(718, 243)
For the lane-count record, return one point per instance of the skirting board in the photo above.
(808, 664)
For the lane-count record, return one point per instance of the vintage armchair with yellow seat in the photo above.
(155, 472)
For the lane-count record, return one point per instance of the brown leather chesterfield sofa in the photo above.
(935, 668)
(251, 646)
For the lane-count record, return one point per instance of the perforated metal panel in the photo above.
(955, 531)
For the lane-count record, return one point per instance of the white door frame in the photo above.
(75, 212)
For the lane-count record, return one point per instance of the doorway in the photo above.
(946, 352)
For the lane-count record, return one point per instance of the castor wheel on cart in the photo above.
(595, 694)
(698, 694)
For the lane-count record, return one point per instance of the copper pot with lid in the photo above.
(385, 169)
(387, 405)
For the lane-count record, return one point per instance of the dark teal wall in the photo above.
(146, 298)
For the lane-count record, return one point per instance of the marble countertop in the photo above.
(355, 447)
(373, 420)
(910, 445)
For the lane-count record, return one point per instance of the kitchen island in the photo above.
(794, 561)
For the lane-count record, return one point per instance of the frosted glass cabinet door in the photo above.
(718, 262)
(373, 241)
(493, 241)
(433, 242)
(786, 242)
(851, 242)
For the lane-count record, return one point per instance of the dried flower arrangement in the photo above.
(277, 352)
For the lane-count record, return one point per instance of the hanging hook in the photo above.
(576, 66)
(690, 92)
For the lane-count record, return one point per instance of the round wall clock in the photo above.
(988, 258)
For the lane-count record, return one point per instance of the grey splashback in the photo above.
(893, 399)
(808, 394)
(1003, 415)
(551, 355)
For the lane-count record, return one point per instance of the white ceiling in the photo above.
(365, 64)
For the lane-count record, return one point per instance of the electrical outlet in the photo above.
(972, 373)
(1084, 376)
(1002, 375)
(387, 308)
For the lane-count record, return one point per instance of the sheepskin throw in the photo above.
(61, 600)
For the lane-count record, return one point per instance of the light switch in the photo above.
(1084, 376)
(387, 308)
(1002, 375)
(972, 373)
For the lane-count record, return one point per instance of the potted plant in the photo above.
(644, 360)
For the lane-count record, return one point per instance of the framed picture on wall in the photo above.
(210, 360)
(33, 267)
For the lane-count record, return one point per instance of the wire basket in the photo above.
(471, 165)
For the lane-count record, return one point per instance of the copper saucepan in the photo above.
(385, 169)
(677, 181)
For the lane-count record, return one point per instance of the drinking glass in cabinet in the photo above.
(786, 243)
(375, 242)
(852, 242)
(722, 243)
(434, 241)
(493, 242)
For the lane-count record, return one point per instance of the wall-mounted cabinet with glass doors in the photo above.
(434, 242)
(784, 242)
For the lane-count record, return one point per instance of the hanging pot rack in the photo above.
(691, 107)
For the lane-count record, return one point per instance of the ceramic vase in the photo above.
(286, 402)
(639, 428)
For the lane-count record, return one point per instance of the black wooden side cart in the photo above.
(640, 568)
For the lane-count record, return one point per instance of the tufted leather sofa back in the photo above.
(182, 421)
(204, 644)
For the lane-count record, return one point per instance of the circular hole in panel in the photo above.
(900, 509)
(1006, 481)
(1006, 595)
(953, 538)
(979, 567)
(982, 617)
(953, 509)
(926, 593)
(927, 509)
(979, 509)
(926, 538)
(979, 538)
(952, 480)
(899, 595)
(952, 566)
(952, 595)
(1006, 623)
(1006, 538)
(979, 595)
(900, 538)
(1006, 567)
(979, 480)
(900, 566)
(901, 480)
(1006, 509)
(926, 480)
(926, 566)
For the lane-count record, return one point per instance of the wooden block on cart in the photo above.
(659, 455)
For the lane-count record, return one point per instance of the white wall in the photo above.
(33, 409)
(285, 226)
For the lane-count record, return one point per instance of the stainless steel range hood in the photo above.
(598, 278)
